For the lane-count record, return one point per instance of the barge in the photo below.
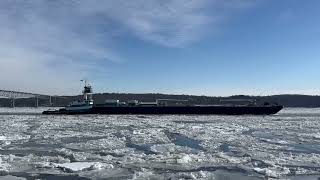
(161, 106)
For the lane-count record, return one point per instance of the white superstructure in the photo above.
(84, 104)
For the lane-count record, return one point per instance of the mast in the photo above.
(87, 91)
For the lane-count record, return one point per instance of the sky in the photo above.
(199, 47)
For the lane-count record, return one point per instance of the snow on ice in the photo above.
(140, 147)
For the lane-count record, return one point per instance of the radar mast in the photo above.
(87, 91)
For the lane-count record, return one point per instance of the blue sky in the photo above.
(202, 47)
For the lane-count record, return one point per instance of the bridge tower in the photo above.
(13, 102)
(37, 101)
(50, 101)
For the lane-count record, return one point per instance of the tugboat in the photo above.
(162, 106)
(81, 106)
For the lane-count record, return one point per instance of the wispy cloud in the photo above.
(172, 23)
(45, 45)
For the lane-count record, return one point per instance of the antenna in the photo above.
(85, 82)
(87, 90)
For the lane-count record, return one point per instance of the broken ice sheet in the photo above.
(281, 146)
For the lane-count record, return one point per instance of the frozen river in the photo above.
(286, 145)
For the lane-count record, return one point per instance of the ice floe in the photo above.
(82, 166)
(155, 147)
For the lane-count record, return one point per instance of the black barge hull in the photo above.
(197, 110)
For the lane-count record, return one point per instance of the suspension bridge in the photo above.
(13, 95)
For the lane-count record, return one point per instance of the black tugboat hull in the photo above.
(218, 110)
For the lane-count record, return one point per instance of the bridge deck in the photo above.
(16, 94)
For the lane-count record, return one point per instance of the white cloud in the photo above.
(47, 46)
(172, 23)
